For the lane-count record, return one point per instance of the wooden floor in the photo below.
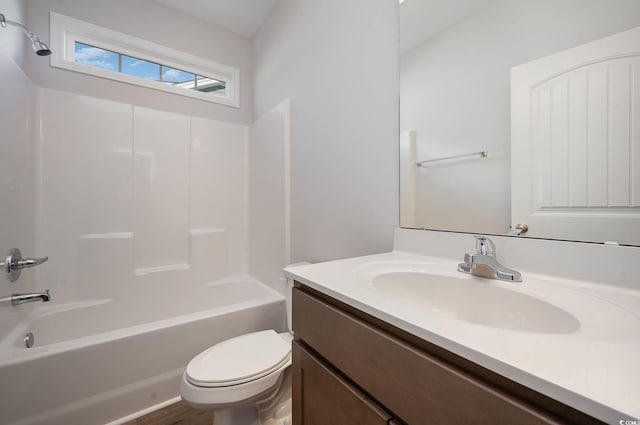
(175, 414)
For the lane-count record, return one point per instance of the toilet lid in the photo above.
(239, 360)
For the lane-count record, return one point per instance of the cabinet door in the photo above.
(320, 397)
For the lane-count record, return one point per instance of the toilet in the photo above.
(245, 380)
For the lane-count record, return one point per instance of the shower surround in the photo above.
(130, 193)
(144, 216)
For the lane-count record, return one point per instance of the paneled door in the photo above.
(575, 142)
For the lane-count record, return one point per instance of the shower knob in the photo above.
(14, 263)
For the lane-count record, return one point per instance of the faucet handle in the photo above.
(484, 245)
(14, 263)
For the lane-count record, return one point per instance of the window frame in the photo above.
(65, 31)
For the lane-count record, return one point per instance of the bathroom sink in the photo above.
(439, 290)
(475, 301)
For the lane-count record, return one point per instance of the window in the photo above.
(87, 48)
(129, 65)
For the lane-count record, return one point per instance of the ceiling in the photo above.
(419, 19)
(242, 17)
(422, 19)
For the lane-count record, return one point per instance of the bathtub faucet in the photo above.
(16, 299)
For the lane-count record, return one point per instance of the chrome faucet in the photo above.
(484, 262)
(16, 299)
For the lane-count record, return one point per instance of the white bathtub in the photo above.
(105, 361)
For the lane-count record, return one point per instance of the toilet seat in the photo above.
(239, 360)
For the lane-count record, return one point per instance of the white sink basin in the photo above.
(476, 302)
(437, 292)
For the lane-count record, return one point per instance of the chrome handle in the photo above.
(484, 245)
(29, 262)
(14, 263)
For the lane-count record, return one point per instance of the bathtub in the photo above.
(106, 362)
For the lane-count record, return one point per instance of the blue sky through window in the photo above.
(173, 75)
(95, 56)
(140, 68)
(113, 61)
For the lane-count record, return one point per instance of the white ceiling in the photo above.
(419, 19)
(242, 17)
(422, 19)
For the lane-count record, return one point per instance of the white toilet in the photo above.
(245, 380)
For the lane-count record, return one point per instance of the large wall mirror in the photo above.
(496, 91)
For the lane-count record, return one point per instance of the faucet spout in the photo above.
(484, 263)
(17, 299)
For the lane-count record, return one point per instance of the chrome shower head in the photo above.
(37, 45)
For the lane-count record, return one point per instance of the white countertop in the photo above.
(594, 368)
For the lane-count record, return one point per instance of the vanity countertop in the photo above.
(591, 365)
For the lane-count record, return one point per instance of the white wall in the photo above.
(337, 62)
(150, 21)
(12, 40)
(454, 91)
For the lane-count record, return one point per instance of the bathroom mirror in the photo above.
(456, 60)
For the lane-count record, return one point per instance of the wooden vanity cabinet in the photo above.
(326, 398)
(351, 368)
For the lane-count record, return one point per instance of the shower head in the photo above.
(37, 45)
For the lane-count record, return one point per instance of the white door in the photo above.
(575, 142)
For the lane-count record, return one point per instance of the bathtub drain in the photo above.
(29, 340)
